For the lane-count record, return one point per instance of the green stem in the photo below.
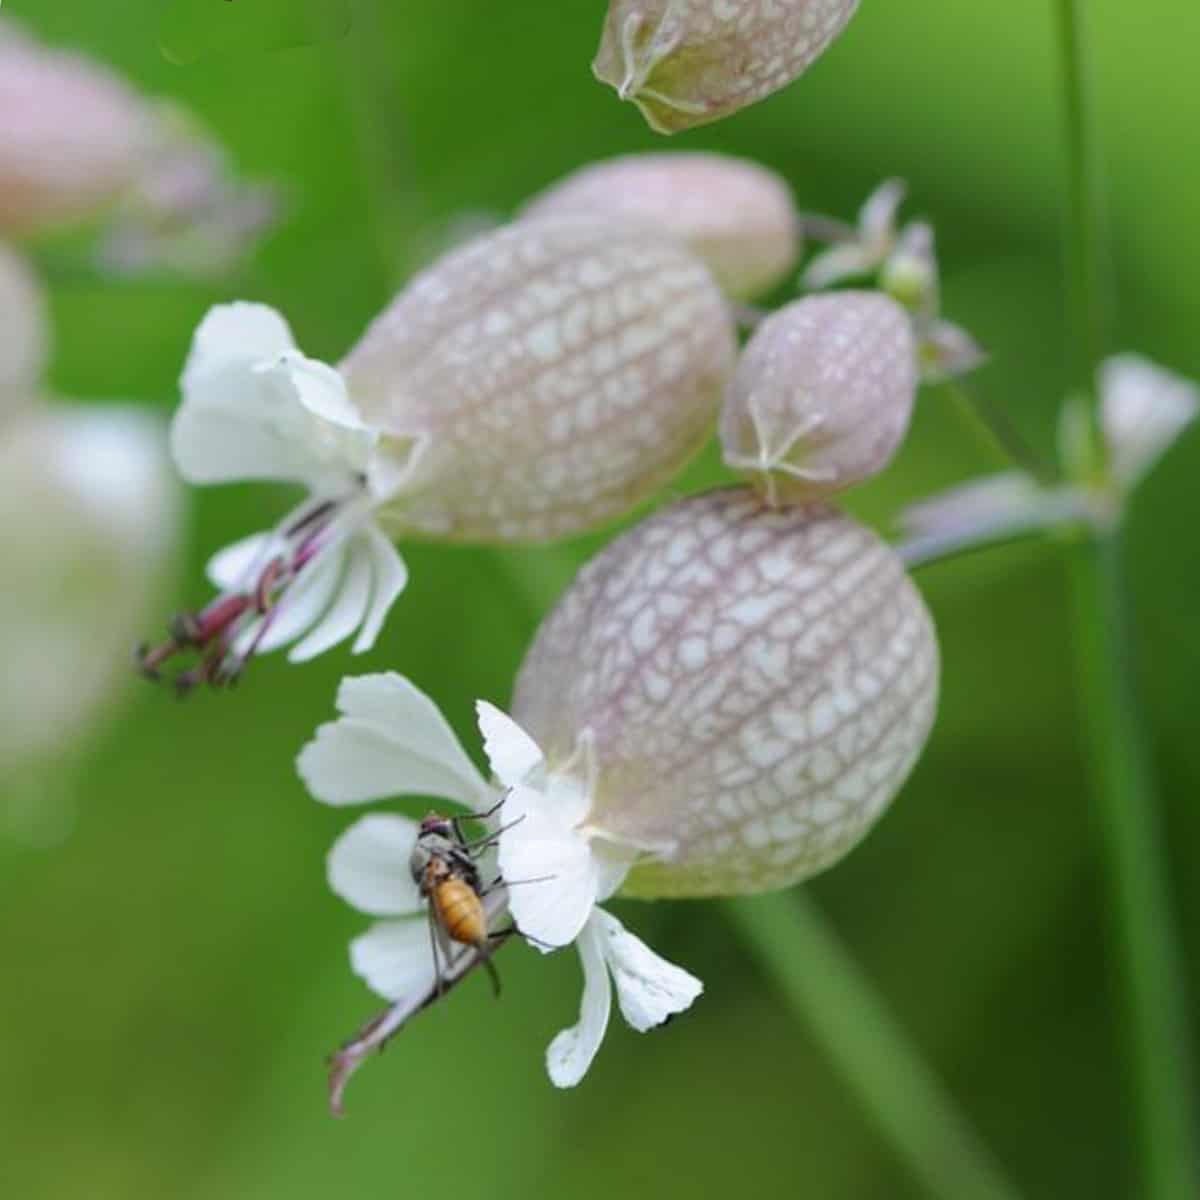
(1088, 266)
(825, 988)
(1155, 1020)
(1001, 434)
(1156, 1024)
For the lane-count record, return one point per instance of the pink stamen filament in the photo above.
(216, 629)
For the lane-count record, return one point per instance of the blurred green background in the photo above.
(175, 971)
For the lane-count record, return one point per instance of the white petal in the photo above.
(551, 868)
(838, 263)
(335, 433)
(947, 351)
(304, 602)
(1143, 409)
(877, 217)
(236, 566)
(389, 578)
(395, 958)
(368, 866)
(570, 1054)
(613, 863)
(237, 333)
(391, 740)
(255, 408)
(349, 605)
(512, 753)
(649, 989)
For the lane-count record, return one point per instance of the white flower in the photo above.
(906, 264)
(91, 550)
(390, 740)
(254, 407)
(1143, 409)
(989, 509)
(533, 384)
(863, 253)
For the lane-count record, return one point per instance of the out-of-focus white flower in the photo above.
(187, 211)
(906, 264)
(822, 395)
(688, 62)
(78, 144)
(80, 568)
(985, 510)
(532, 384)
(390, 740)
(24, 336)
(1143, 410)
(71, 134)
(867, 248)
(735, 215)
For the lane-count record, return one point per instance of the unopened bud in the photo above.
(548, 376)
(753, 686)
(78, 143)
(737, 216)
(70, 134)
(688, 62)
(822, 395)
(910, 273)
(23, 331)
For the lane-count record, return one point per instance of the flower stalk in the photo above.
(1155, 1021)
(825, 989)
(1131, 843)
(1001, 433)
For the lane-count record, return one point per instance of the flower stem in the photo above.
(1156, 1022)
(825, 988)
(1155, 1015)
(990, 418)
(1089, 268)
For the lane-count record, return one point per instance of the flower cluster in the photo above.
(727, 697)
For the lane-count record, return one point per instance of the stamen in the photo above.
(242, 617)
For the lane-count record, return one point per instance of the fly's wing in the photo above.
(195, 29)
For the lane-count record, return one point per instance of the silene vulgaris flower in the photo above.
(724, 701)
(391, 740)
(903, 262)
(532, 384)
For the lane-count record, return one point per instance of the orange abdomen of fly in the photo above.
(460, 911)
